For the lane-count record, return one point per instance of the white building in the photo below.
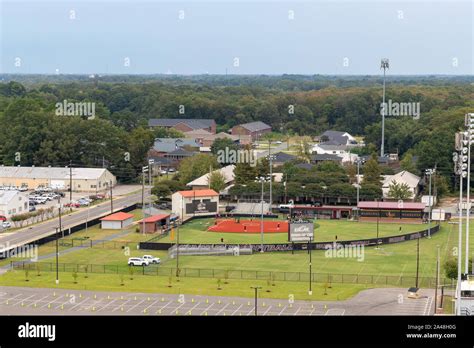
(190, 203)
(116, 221)
(403, 177)
(13, 203)
(83, 179)
(467, 296)
(203, 181)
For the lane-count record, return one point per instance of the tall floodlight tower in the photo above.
(469, 122)
(383, 65)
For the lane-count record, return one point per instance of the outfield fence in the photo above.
(157, 270)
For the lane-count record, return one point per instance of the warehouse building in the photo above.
(60, 178)
(116, 221)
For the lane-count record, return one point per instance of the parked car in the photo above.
(151, 259)
(72, 205)
(31, 208)
(3, 218)
(6, 224)
(137, 261)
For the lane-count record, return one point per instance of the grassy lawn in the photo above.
(325, 230)
(195, 286)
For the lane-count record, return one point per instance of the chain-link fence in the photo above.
(158, 270)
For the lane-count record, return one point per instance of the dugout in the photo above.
(405, 212)
(322, 212)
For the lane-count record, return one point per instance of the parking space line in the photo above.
(237, 309)
(135, 305)
(269, 306)
(23, 300)
(282, 311)
(80, 303)
(106, 305)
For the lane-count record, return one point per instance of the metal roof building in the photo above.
(83, 179)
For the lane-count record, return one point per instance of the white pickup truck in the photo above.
(151, 259)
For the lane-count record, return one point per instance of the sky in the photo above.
(340, 37)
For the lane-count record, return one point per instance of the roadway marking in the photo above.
(237, 309)
(134, 306)
(223, 308)
(269, 306)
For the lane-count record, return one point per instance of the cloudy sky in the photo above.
(240, 37)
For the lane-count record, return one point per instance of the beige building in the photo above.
(83, 179)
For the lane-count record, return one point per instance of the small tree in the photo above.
(38, 270)
(226, 277)
(131, 271)
(399, 190)
(219, 284)
(122, 281)
(216, 181)
(74, 275)
(170, 280)
(27, 274)
(86, 271)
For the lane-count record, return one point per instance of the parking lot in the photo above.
(30, 301)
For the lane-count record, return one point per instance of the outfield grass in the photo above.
(195, 286)
(195, 232)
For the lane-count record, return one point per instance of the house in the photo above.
(280, 158)
(330, 149)
(116, 221)
(83, 179)
(397, 212)
(163, 146)
(206, 139)
(403, 177)
(254, 129)
(191, 203)
(318, 158)
(338, 138)
(184, 124)
(203, 181)
(13, 202)
(155, 223)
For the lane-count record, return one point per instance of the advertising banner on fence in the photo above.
(301, 232)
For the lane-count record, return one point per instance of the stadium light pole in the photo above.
(144, 170)
(256, 288)
(429, 172)
(469, 122)
(460, 167)
(262, 181)
(384, 64)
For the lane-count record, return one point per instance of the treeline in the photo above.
(118, 137)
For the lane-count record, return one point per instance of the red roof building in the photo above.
(155, 223)
(117, 221)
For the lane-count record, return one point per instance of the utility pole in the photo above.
(310, 291)
(70, 184)
(384, 64)
(358, 186)
(111, 198)
(417, 259)
(256, 288)
(57, 257)
(437, 280)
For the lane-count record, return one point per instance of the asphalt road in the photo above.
(33, 301)
(30, 234)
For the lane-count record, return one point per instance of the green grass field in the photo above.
(194, 286)
(325, 230)
(396, 260)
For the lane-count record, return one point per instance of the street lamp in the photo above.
(384, 64)
(256, 288)
(429, 172)
(262, 180)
